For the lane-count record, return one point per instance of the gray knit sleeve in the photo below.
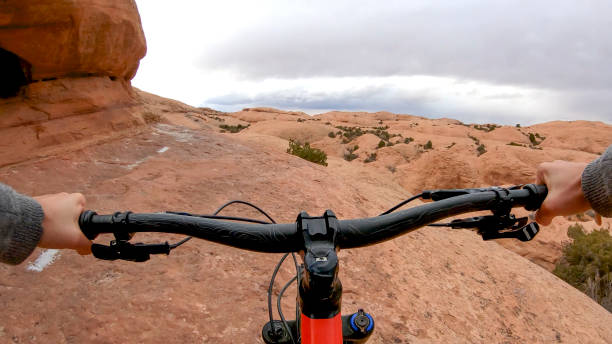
(597, 183)
(20, 225)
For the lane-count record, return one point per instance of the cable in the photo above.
(401, 204)
(245, 203)
(280, 310)
(215, 216)
(278, 265)
(173, 246)
(218, 217)
(297, 306)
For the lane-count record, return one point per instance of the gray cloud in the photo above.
(428, 104)
(548, 44)
(372, 98)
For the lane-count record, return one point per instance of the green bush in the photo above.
(308, 153)
(332, 134)
(475, 139)
(428, 145)
(486, 127)
(350, 156)
(586, 264)
(532, 139)
(233, 128)
(381, 144)
(408, 140)
(370, 158)
(481, 149)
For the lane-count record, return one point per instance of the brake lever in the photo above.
(121, 249)
(524, 233)
(499, 227)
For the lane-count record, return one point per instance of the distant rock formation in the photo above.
(59, 59)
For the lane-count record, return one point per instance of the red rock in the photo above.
(61, 38)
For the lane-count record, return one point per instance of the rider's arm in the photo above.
(49, 221)
(576, 187)
(597, 184)
(21, 220)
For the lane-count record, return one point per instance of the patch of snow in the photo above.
(46, 258)
(162, 150)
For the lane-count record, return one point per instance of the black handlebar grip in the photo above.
(537, 195)
(85, 222)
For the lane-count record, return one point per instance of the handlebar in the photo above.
(280, 238)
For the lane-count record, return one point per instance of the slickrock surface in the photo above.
(430, 286)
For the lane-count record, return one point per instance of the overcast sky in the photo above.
(477, 61)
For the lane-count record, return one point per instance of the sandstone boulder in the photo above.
(71, 38)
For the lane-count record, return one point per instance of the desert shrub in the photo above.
(150, 117)
(381, 144)
(350, 133)
(381, 133)
(450, 146)
(370, 158)
(233, 128)
(481, 149)
(308, 153)
(518, 125)
(586, 264)
(512, 143)
(332, 134)
(350, 155)
(408, 140)
(475, 139)
(532, 139)
(300, 120)
(428, 145)
(486, 127)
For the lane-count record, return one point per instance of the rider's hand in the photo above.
(565, 196)
(61, 222)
